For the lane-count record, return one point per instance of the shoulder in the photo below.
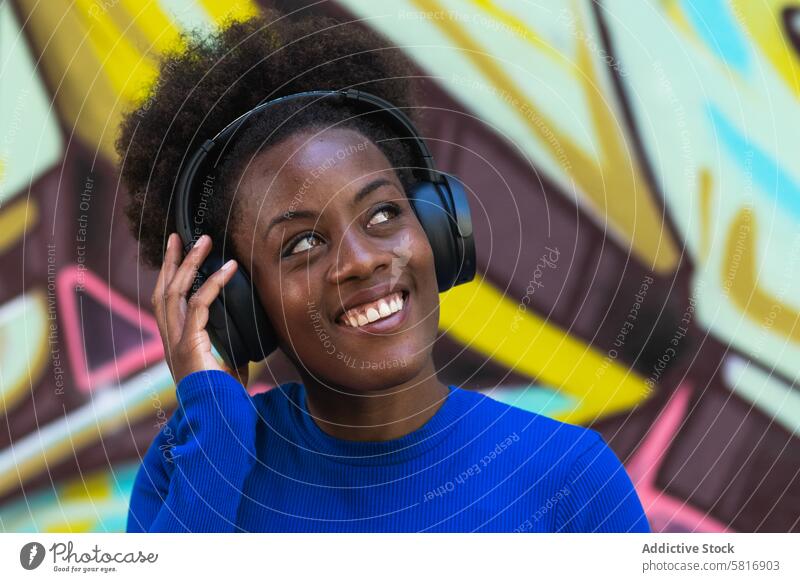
(553, 440)
(600, 495)
(593, 490)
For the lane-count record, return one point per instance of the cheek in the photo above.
(287, 303)
(421, 256)
(424, 274)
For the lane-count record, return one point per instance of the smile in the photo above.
(384, 312)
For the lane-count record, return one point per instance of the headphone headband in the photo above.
(400, 119)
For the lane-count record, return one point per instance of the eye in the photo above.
(388, 209)
(300, 244)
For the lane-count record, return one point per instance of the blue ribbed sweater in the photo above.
(228, 461)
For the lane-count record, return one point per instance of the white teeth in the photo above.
(377, 310)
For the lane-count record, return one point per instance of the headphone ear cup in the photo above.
(248, 315)
(223, 333)
(461, 230)
(237, 324)
(443, 212)
(431, 212)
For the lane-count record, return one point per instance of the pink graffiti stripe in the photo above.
(646, 462)
(127, 361)
(259, 387)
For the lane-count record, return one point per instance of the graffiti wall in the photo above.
(635, 192)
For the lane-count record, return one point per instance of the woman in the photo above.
(370, 440)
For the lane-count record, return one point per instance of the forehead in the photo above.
(310, 166)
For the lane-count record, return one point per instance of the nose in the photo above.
(358, 256)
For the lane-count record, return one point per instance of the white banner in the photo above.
(401, 557)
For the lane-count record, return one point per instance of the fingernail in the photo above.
(169, 240)
(228, 265)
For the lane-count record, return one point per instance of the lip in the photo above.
(386, 324)
(367, 295)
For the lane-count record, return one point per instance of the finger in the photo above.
(172, 259)
(157, 299)
(199, 302)
(180, 284)
(162, 280)
(184, 277)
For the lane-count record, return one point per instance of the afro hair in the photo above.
(217, 76)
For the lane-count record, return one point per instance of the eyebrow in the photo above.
(360, 195)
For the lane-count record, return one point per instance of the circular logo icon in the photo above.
(31, 555)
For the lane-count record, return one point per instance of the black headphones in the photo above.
(238, 324)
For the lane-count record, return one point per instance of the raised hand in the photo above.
(182, 323)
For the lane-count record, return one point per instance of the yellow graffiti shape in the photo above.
(704, 190)
(764, 23)
(15, 220)
(23, 346)
(478, 315)
(101, 56)
(740, 279)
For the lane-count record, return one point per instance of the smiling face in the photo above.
(341, 263)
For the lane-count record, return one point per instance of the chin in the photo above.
(375, 374)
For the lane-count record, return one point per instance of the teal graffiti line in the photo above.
(544, 401)
(713, 21)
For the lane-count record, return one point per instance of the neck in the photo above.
(381, 415)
